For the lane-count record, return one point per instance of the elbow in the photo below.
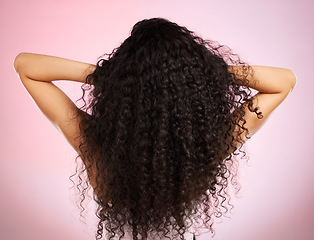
(289, 83)
(293, 80)
(18, 62)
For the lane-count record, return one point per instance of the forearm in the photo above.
(268, 79)
(49, 68)
(273, 86)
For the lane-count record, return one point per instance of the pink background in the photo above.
(276, 200)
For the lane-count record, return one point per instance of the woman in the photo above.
(159, 130)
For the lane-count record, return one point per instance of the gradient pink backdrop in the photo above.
(276, 200)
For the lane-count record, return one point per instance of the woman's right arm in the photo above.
(273, 86)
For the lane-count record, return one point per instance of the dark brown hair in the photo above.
(161, 130)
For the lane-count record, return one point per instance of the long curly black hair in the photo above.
(163, 123)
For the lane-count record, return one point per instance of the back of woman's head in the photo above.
(160, 136)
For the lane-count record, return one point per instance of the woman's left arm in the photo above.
(37, 72)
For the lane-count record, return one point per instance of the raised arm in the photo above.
(49, 68)
(37, 73)
(273, 86)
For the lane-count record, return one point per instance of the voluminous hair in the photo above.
(163, 121)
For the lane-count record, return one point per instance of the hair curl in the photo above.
(163, 124)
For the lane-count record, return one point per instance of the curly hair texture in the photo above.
(162, 127)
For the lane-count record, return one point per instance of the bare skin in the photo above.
(37, 73)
